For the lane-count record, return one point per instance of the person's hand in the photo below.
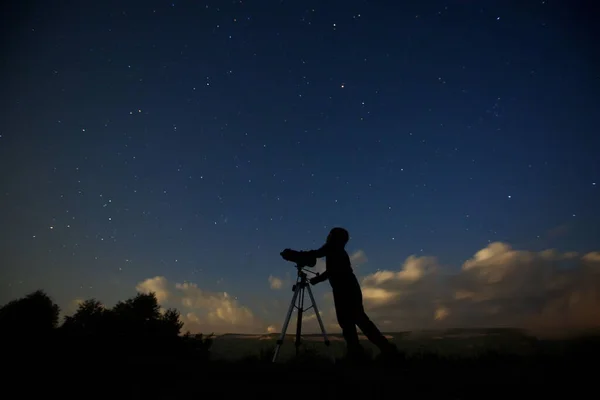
(315, 280)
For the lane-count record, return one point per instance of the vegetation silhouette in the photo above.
(135, 349)
(35, 312)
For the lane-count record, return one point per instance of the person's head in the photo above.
(338, 237)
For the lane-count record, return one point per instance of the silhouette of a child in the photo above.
(347, 294)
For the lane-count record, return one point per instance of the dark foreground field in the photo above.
(554, 368)
(135, 350)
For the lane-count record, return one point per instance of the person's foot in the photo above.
(358, 356)
(392, 349)
(390, 355)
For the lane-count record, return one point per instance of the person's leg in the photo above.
(370, 330)
(346, 319)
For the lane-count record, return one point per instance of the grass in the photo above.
(448, 367)
(546, 368)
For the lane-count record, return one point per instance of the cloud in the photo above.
(275, 282)
(593, 257)
(71, 307)
(158, 285)
(203, 311)
(358, 257)
(498, 286)
(545, 291)
(78, 302)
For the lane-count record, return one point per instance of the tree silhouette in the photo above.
(142, 307)
(135, 333)
(34, 314)
(141, 315)
(197, 346)
(171, 324)
(90, 318)
(136, 327)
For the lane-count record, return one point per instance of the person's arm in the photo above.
(319, 253)
(319, 278)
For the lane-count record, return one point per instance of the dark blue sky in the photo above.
(197, 139)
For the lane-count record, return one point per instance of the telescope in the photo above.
(301, 260)
(299, 288)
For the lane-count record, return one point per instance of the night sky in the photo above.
(180, 146)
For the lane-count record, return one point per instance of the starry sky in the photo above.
(180, 146)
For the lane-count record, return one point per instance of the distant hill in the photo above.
(448, 342)
(434, 334)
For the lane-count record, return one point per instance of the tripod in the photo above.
(299, 288)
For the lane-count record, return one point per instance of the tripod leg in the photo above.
(299, 318)
(286, 322)
(325, 338)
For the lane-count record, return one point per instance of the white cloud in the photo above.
(71, 307)
(497, 286)
(592, 257)
(441, 313)
(358, 257)
(275, 282)
(376, 295)
(203, 311)
(158, 285)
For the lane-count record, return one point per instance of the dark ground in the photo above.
(559, 368)
(133, 351)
